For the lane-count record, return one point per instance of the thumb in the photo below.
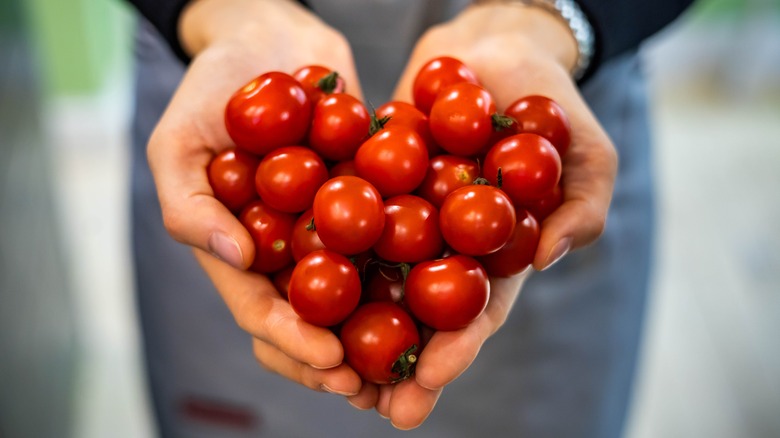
(191, 213)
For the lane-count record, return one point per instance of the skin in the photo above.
(515, 50)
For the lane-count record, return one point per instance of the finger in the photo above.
(589, 172)
(411, 404)
(383, 401)
(261, 311)
(449, 353)
(341, 380)
(366, 398)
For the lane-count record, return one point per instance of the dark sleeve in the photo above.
(164, 16)
(621, 25)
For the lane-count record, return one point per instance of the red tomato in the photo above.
(384, 284)
(304, 237)
(231, 175)
(436, 75)
(447, 294)
(411, 232)
(518, 254)
(271, 230)
(343, 168)
(269, 112)
(282, 280)
(530, 167)
(339, 125)
(393, 160)
(381, 343)
(542, 116)
(445, 174)
(288, 178)
(546, 205)
(461, 119)
(349, 214)
(318, 81)
(477, 219)
(324, 288)
(402, 113)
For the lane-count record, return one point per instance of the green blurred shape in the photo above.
(79, 43)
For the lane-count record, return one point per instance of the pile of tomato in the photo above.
(379, 223)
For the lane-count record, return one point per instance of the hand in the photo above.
(515, 51)
(233, 41)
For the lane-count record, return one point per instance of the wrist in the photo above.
(537, 28)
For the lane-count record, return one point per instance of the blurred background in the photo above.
(69, 343)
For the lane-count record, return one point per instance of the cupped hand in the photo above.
(515, 51)
(232, 42)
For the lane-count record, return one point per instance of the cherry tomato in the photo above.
(288, 178)
(324, 288)
(477, 219)
(318, 81)
(447, 294)
(381, 343)
(461, 119)
(411, 232)
(384, 284)
(530, 167)
(546, 205)
(231, 175)
(304, 237)
(349, 214)
(282, 280)
(518, 254)
(394, 160)
(445, 174)
(339, 125)
(402, 113)
(434, 76)
(541, 115)
(271, 230)
(269, 112)
(343, 168)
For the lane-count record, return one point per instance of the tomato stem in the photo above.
(405, 364)
(481, 181)
(310, 226)
(501, 122)
(499, 178)
(329, 82)
(377, 123)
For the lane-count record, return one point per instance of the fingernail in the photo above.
(380, 414)
(226, 249)
(326, 388)
(351, 403)
(324, 368)
(559, 250)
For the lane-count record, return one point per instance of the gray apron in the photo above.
(562, 366)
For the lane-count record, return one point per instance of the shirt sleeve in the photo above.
(164, 16)
(621, 25)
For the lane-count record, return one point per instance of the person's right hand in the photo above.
(231, 42)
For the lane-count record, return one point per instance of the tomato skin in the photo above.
(374, 337)
(269, 112)
(343, 168)
(542, 116)
(518, 254)
(449, 293)
(384, 284)
(281, 280)
(411, 232)
(394, 160)
(546, 205)
(304, 240)
(403, 113)
(477, 219)
(231, 176)
(461, 119)
(324, 288)
(310, 76)
(349, 214)
(445, 174)
(289, 177)
(530, 167)
(436, 75)
(271, 231)
(339, 125)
